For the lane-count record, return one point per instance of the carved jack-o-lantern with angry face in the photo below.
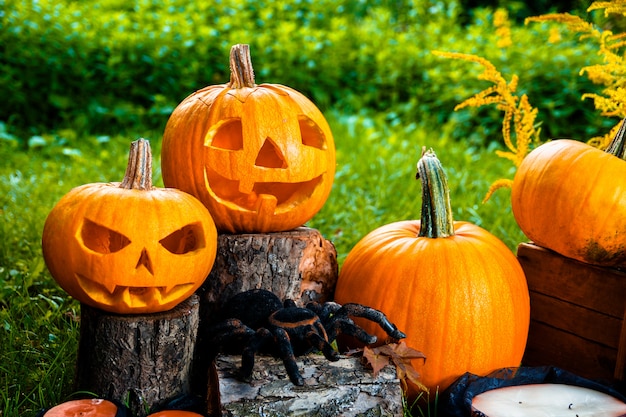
(129, 247)
(260, 157)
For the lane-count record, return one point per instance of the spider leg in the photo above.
(257, 341)
(317, 338)
(324, 311)
(286, 354)
(344, 325)
(288, 303)
(358, 310)
(228, 333)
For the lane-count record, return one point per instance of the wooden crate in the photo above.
(577, 314)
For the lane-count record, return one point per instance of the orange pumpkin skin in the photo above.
(571, 197)
(456, 290)
(86, 408)
(129, 250)
(260, 157)
(462, 300)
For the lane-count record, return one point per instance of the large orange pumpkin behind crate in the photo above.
(570, 197)
(260, 157)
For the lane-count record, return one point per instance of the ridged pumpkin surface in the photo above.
(260, 157)
(129, 247)
(571, 197)
(462, 300)
(87, 408)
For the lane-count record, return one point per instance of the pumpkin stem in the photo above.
(437, 218)
(241, 71)
(617, 146)
(138, 174)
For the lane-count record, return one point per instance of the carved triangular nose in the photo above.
(270, 156)
(144, 260)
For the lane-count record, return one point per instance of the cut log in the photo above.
(299, 264)
(342, 388)
(139, 360)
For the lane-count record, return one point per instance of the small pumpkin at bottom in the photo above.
(94, 407)
(129, 247)
(456, 290)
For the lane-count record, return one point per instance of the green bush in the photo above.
(98, 66)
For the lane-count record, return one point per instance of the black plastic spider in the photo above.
(257, 320)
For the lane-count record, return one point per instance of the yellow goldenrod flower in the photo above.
(519, 128)
(518, 122)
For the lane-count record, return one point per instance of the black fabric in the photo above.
(456, 401)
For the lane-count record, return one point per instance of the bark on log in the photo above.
(343, 388)
(140, 360)
(299, 264)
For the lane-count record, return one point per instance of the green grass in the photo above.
(38, 321)
(375, 181)
(375, 184)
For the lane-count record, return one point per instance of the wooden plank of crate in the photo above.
(620, 364)
(585, 323)
(549, 346)
(596, 288)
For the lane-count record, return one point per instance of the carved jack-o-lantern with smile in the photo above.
(129, 247)
(260, 157)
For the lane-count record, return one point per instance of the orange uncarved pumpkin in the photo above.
(260, 157)
(85, 408)
(129, 247)
(571, 197)
(456, 290)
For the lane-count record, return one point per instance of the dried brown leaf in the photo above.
(375, 359)
(398, 353)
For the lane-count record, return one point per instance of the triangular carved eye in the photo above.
(311, 133)
(101, 239)
(270, 156)
(227, 134)
(187, 239)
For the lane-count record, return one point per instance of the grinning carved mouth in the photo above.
(283, 194)
(131, 297)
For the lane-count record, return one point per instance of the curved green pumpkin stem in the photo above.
(617, 146)
(437, 218)
(138, 174)
(241, 71)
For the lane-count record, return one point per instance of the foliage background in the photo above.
(81, 79)
(96, 64)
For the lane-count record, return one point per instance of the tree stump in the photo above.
(342, 388)
(299, 264)
(140, 360)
